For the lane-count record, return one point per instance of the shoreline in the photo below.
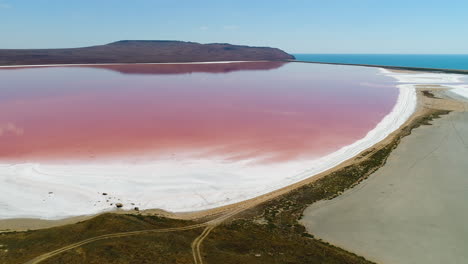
(429, 160)
(11, 225)
(394, 68)
(35, 223)
(274, 221)
(402, 110)
(8, 225)
(417, 69)
(110, 64)
(262, 197)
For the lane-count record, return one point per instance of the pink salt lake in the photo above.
(267, 111)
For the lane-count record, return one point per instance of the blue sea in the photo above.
(459, 62)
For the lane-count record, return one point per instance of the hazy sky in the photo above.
(297, 26)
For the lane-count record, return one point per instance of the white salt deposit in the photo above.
(457, 82)
(460, 89)
(107, 64)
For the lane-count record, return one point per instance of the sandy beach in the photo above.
(413, 209)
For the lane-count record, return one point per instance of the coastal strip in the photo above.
(419, 69)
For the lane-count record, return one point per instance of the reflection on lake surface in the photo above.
(268, 111)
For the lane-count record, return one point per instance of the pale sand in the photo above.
(412, 210)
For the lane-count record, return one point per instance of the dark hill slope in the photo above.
(141, 51)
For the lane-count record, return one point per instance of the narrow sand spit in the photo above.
(412, 210)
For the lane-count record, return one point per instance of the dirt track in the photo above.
(196, 244)
(115, 235)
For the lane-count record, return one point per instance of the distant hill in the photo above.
(142, 51)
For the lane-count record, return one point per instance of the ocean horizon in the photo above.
(438, 61)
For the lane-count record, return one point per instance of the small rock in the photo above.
(258, 255)
(119, 205)
(51, 192)
(137, 209)
(104, 193)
